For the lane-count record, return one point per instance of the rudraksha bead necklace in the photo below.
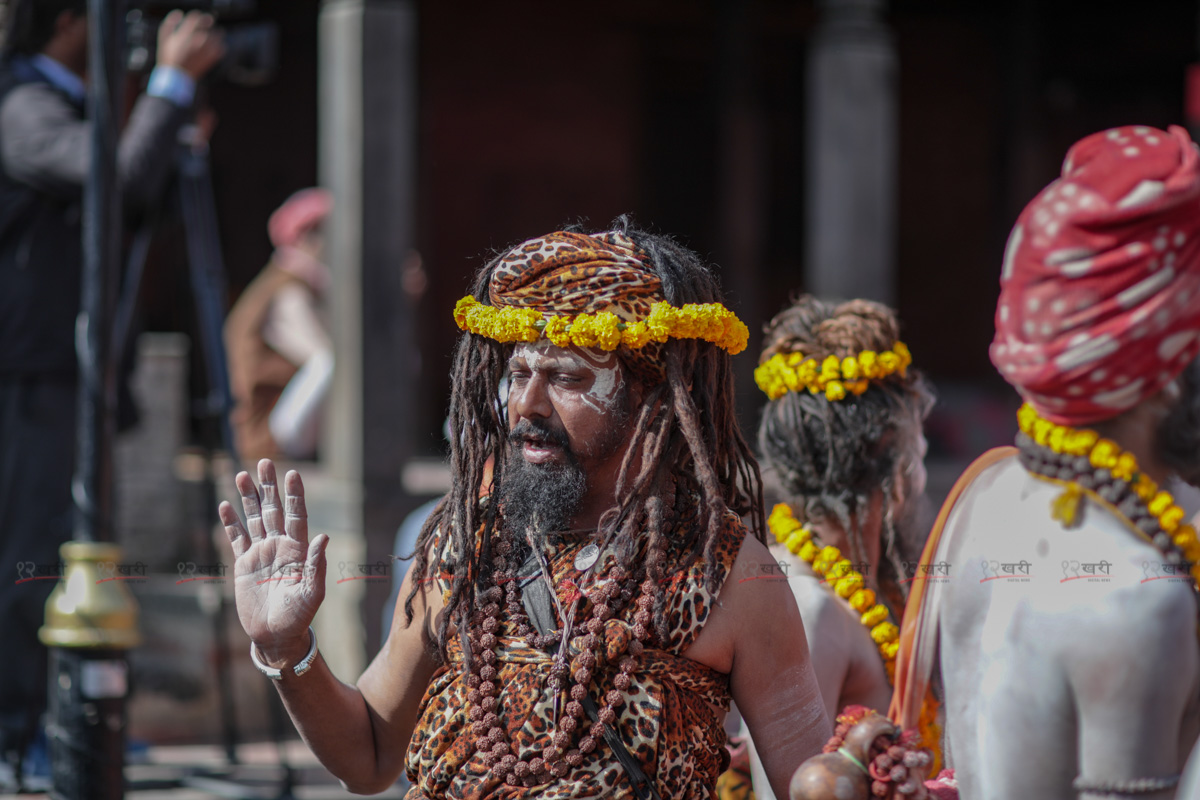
(1086, 463)
(556, 758)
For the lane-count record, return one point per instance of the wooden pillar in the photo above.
(851, 154)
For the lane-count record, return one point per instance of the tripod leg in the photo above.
(220, 616)
(207, 272)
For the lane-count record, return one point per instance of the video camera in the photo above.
(251, 48)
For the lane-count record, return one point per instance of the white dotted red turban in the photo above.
(1100, 291)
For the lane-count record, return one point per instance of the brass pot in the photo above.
(842, 775)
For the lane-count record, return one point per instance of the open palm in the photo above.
(279, 576)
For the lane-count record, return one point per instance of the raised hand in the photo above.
(190, 42)
(279, 576)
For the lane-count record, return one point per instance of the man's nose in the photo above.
(533, 399)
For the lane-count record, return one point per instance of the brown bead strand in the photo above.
(491, 739)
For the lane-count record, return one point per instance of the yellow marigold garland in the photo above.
(827, 562)
(833, 377)
(849, 584)
(1107, 454)
(711, 322)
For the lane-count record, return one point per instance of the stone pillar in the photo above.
(368, 106)
(851, 154)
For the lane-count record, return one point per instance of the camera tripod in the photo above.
(206, 273)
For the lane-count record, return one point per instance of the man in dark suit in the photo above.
(44, 162)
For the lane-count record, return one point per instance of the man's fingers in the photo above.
(295, 520)
(272, 511)
(250, 504)
(170, 22)
(314, 568)
(234, 529)
(201, 20)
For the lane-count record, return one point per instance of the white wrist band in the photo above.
(302, 666)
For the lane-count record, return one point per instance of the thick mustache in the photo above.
(527, 429)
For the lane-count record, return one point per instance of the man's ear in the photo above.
(1160, 405)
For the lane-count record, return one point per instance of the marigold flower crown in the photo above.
(604, 330)
(834, 377)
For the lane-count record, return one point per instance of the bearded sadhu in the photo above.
(582, 632)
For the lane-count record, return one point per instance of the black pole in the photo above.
(90, 630)
(93, 482)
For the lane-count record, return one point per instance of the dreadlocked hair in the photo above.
(829, 457)
(686, 444)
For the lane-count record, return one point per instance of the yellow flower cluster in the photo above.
(840, 576)
(711, 322)
(834, 377)
(1106, 454)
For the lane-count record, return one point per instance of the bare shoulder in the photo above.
(1095, 591)
(756, 578)
(755, 604)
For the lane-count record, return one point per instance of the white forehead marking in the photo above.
(607, 383)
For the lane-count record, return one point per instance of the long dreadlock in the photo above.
(830, 457)
(686, 441)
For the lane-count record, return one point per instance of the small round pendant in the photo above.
(586, 557)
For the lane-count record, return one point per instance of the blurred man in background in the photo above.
(44, 164)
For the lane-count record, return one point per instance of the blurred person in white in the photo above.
(280, 356)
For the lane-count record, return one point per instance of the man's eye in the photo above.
(518, 375)
(567, 380)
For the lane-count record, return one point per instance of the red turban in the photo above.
(1098, 296)
(299, 214)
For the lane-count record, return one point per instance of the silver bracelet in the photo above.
(1131, 786)
(302, 666)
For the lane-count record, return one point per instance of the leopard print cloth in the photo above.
(570, 273)
(668, 721)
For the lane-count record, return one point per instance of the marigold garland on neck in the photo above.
(604, 330)
(833, 377)
(1060, 453)
(839, 574)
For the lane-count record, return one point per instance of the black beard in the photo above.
(539, 499)
(1178, 435)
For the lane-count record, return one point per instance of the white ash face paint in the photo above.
(605, 368)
